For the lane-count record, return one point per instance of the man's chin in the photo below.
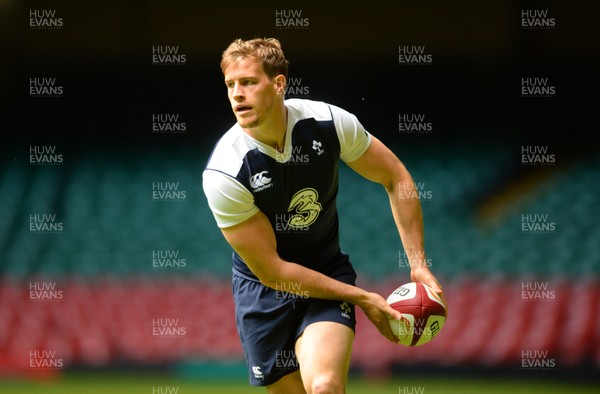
(248, 123)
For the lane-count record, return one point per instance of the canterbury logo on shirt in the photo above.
(260, 181)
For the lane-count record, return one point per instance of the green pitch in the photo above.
(148, 384)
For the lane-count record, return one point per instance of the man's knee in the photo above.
(327, 384)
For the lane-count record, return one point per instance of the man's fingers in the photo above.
(380, 313)
(388, 333)
(440, 292)
(393, 314)
(437, 289)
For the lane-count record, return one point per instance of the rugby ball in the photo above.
(423, 313)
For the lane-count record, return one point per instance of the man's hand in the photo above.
(379, 312)
(422, 274)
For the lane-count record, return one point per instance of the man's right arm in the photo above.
(254, 240)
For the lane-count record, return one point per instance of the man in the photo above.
(271, 183)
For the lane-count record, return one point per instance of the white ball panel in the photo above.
(432, 296)
(404, 292)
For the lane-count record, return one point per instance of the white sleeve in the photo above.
(230, 202)
(354, 139)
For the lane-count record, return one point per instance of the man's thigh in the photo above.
(324, 351)
(289, 384)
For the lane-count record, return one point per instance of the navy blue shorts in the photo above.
(269, 321)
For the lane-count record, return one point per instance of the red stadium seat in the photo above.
(108, 321)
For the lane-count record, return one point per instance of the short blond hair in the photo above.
(266, 50)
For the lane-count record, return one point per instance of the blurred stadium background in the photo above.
(107, 286)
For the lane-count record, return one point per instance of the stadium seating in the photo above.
(102, 261)
(110, 320)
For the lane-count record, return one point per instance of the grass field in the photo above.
(147, 384)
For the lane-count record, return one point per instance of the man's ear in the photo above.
(280, 83)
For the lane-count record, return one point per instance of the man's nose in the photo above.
(237, 92)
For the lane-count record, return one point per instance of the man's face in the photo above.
(251, 92)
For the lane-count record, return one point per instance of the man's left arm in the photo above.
(379, 164)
